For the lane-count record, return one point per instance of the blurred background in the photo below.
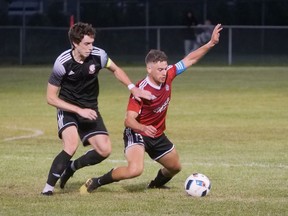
(255, 31)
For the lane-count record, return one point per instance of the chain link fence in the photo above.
(239, 45)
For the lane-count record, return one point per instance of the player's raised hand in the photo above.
(216, 34)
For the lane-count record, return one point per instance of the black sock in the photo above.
(90, 158)
(58, 166)
(160, 179)
(106, 179)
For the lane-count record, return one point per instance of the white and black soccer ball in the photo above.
(197, 185)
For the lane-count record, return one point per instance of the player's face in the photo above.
(157, 72)
(84, 48)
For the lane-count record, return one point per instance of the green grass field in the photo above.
(229, 123)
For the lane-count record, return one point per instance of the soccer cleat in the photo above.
(66, 175)
(152, 185)
(47, 193)
(90, 185)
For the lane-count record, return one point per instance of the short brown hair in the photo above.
(155, 56)
(78, 30)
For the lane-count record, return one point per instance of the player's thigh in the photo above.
(70, 139)
(101, 143)
(171, 161)
(135, 158)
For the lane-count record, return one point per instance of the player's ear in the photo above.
(148, 69)
(73, 44)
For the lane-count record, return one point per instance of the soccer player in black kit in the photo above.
(73, 89)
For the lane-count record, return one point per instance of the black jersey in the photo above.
(79, 82)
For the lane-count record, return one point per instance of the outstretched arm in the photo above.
(197, 54)
(122, 77)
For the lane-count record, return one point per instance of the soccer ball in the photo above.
(197, 185)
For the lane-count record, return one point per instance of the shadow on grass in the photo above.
(135, 187)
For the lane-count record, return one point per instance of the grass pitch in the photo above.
(229, 123)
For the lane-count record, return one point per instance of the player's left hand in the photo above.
(140, 93)
(150, 131)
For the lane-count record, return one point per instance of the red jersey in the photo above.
(153, 112)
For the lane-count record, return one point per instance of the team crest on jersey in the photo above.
(92, 69)
(167, 87)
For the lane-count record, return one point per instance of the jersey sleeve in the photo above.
(104, 59)
(176, 69)
(57, 74)
(134, 105)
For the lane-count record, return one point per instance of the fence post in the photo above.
(230, 46)
(158, 39)
(21, 46)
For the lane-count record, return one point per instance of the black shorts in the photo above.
(155, 147)
(86, 128)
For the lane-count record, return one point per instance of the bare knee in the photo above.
(70, 148)
(107, 150)
(173, 170)
(105, 153)
(134, 171)
(102, 146)
(177, 170)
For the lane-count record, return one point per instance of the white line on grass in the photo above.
(35, 133)
(252, 164)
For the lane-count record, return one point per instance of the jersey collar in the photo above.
(152, 84)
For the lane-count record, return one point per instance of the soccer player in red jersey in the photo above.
(145, 121)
